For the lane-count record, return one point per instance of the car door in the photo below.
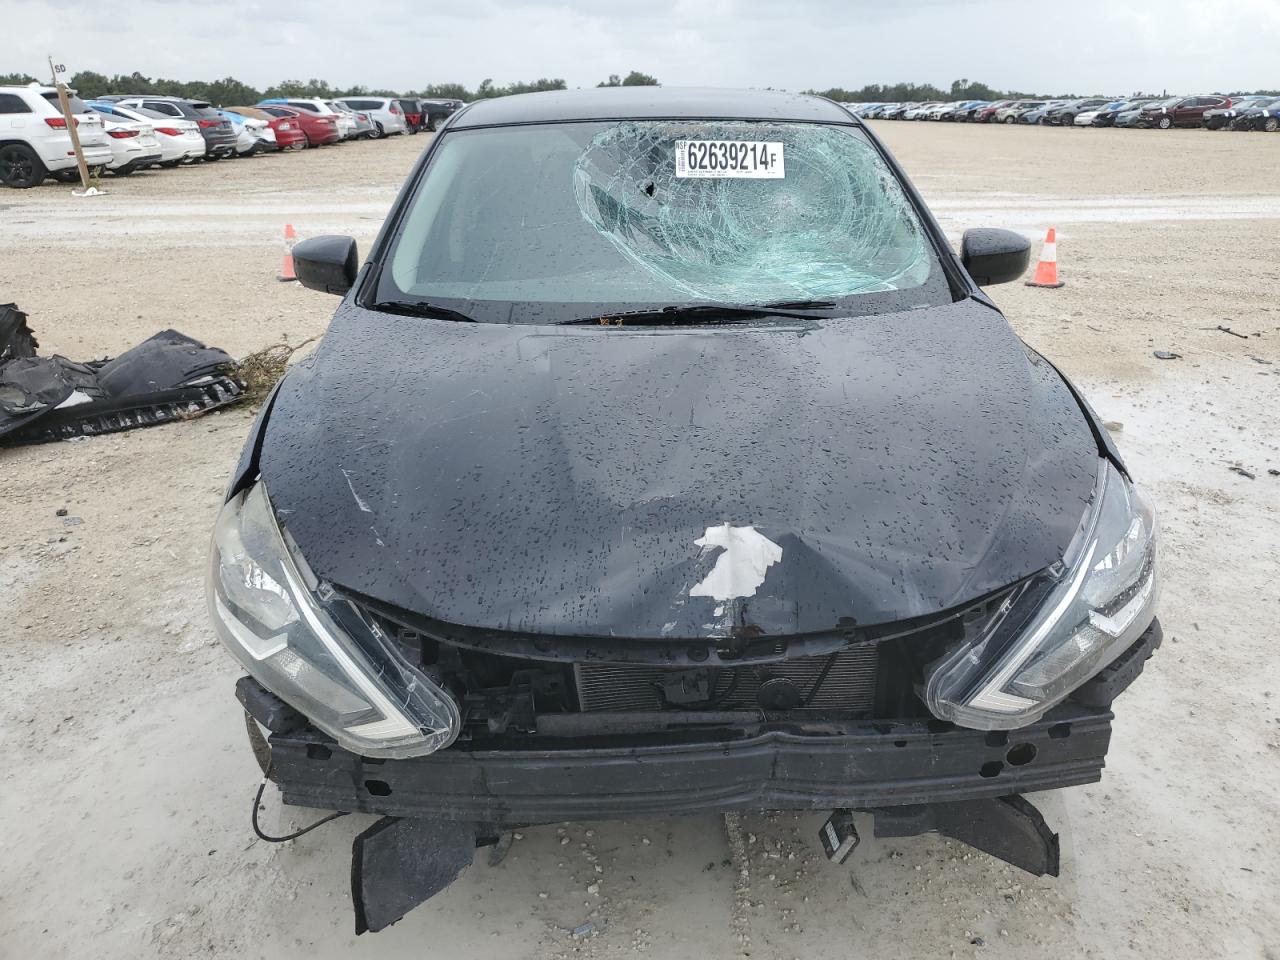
(1190, 111)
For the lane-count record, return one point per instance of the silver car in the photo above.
(363, 127)
(385, 113)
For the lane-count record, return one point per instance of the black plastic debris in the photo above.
(1009, 828)
(16, 338)
(1166, 355)
(166, 377)
(398, 863)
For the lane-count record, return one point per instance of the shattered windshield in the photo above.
(544, 223)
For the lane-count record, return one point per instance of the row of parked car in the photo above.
(122, 133)
(1248, 112)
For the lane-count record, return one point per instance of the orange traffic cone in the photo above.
(286, 270)
(1047, 268)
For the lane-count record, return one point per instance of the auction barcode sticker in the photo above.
(749, 159)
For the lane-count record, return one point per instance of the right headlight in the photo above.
(313, 649)
(1055, 632)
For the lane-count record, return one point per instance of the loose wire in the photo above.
(257, 800)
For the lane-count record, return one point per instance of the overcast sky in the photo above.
(1089, 46)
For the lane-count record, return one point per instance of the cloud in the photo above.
(1184, 46)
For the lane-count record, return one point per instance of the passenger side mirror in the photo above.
(328, 264)
(994, 256)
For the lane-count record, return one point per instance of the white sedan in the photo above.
(918, 113)
(133, 144)
(252, 135)
(180, 140)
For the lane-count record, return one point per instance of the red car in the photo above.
(318, 128)
(1180, 111)
(987, 114)
(411, 107)
(289, 132)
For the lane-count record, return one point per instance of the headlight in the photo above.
(313, 649)
(1056, 631)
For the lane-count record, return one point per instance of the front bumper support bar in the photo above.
(751, 765)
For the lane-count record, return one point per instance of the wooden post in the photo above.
(71, 121)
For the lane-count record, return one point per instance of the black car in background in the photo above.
(1065, 115)
(629, 479)
(219, 133)
(1220, 118)
(1107, 118)
(1259, 116)
(436, 112)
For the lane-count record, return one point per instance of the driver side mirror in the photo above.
(994, 256)
(328, 264)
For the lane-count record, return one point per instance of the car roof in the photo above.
(640, 103)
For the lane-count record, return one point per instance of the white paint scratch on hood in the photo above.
(740, 569)
(364, 507)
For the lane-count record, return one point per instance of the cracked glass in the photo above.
(545, 222)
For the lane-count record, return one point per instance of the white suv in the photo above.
(385, 113)
(34, 140)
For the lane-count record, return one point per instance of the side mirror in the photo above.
(327, 264)
(994, 256)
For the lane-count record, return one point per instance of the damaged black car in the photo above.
(662, 457)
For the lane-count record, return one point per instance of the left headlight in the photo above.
(1056, 631)
(313, 649)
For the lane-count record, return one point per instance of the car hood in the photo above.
(677, 482)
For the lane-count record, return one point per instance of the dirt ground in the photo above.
(126, 791)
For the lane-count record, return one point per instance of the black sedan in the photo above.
(663, 457)
(1065, 115)
(1261, 116)
(1222, 117)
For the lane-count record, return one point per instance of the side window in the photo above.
(166, 108)
(310, 107)
(12, 103)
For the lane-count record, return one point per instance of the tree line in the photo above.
(230, 91)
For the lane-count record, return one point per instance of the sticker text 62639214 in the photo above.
(751, 159)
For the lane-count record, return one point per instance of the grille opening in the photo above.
(880, 678)
(844, 681)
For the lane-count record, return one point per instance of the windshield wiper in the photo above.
(420, 309)
(711, 313)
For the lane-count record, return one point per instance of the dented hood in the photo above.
(677, 482)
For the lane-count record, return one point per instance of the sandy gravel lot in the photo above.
(125, 795)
